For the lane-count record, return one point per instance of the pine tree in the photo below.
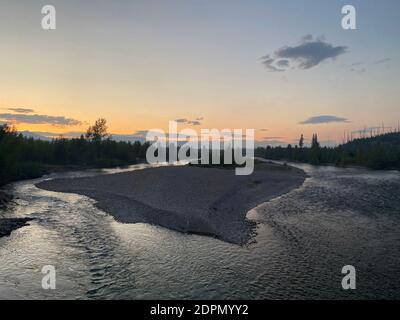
(301, 142)
(314, 142)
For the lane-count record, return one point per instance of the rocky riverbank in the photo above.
(189, 199)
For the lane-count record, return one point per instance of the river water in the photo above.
(304, 238)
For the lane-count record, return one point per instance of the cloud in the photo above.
(357, 67)
(39, 119)
(283, 63)
(360, 67)
(358, 70)
(20, 110)
(323, 119)
(382, 61)
(269, 64)
(306, 55)
(307, 37)
(196, 122)
(181, 120)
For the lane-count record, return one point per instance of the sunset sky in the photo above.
(280, 67)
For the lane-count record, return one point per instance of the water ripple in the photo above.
(338, 217)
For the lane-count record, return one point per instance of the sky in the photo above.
(283, 67)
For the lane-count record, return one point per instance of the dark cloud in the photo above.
(283, 63)
(183, 120)
(307, 37)
(269, 64)
(20, 110)
(310, 54)
(38, 119)
(306, 55)
(323, 119)
(196, 122)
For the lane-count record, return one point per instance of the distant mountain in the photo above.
(128, 138)
(48, 136)
(35, 135)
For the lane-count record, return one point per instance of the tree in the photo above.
(22, 157)
(98, 131)
(315, 150)
(301, 142)
(7, 129)
(314, 142)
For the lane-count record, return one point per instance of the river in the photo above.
(337, 217)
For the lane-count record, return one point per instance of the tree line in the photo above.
(378, 152)
(25, 158)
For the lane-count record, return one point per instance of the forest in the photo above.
(377, 152)
(26, 158)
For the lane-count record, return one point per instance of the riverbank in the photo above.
(4, 199)
(188, 199)
(49, 169)
(9, 225)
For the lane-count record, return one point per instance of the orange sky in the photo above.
(140, 66)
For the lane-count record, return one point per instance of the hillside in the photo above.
(379, 152)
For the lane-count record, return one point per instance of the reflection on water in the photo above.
(338, 217)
